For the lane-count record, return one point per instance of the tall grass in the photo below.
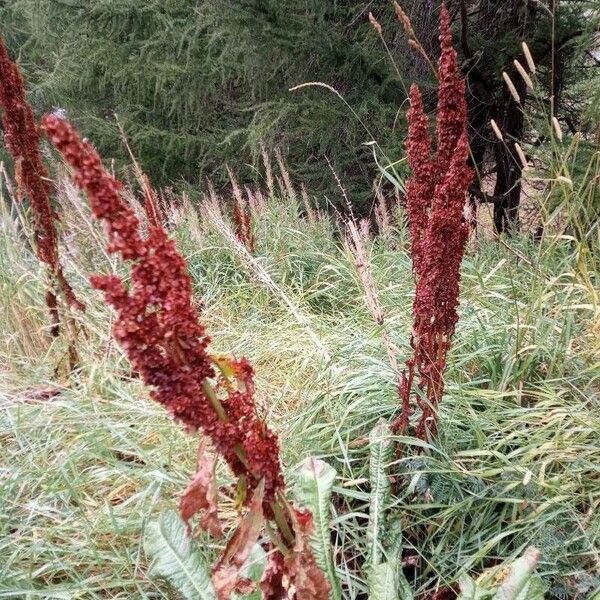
(87, 463)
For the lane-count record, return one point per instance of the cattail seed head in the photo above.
(523, 74)
(565, 180)
(496, 130)
(511, 87)
(557, 129)
(528, 57)
(375, 23)
(521, 155)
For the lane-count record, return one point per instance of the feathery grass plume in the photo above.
(22, 141)
(382, 213)
(557, 129)
(151, 199)
(287, 188)
(355, 242)
(243, 224)
(166, 343)
(413, 41)
(311, 215)
(241, 214)
(435, 204)
(268, 169)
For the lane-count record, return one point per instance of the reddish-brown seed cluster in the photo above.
(160, 331)
(243, 225)
(22, 141)
(435, 204)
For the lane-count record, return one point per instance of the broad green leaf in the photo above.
(595, 595)
(519, 577)
(381, 452)
(534, 589)
(386, 580)
(471, 590)
(176, 558)
(382, 584)
(314, 483)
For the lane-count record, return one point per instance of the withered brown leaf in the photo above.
(296, 575)
(201, 495)
(227, 571)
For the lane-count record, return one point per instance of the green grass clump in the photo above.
(516, 462)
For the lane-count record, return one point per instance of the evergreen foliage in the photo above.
(198, 85)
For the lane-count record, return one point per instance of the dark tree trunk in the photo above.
(508, 164)
(489, 98)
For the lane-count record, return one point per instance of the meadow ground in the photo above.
(88, 460)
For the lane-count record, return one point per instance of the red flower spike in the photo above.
(22, 141)
(420, 187)
(452, 106)
(159, 329)
(435, 202)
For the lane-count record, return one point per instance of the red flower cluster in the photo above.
(435, 203)
(22, 140)
(159, 329)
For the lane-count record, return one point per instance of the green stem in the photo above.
(282, 523)
(278, 511)
(215, 402)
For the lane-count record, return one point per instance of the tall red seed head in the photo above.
(436, 194)
(420, 187)
(159, 329)
(23, 142)
(452, 104)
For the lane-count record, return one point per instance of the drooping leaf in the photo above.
(201, 495)
(228, 570)
(177, 559)
(534, 589)
(315, 483)
(252, 573)
(470, 590)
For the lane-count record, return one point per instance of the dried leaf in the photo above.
(201, 494)
(271, 584)
(52, 304)
(228, 570)
(41, 394)
(296, 576)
